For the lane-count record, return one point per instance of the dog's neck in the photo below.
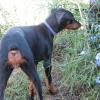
(50, 28)
(51, 21)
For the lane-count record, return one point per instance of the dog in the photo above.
(25, 46)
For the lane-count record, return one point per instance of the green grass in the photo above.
(17, 88)
(79, 70)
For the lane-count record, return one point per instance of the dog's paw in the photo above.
(53, 89)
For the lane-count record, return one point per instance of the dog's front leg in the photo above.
(48, 78)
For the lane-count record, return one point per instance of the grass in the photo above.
(17, 88)
(79, 70)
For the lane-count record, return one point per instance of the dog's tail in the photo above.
(14, 56)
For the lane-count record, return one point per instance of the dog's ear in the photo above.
(59, 13)
(59, 16)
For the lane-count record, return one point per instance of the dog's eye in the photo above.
(69, 22)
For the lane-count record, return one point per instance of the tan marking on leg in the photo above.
(32, 88)
(51, 87)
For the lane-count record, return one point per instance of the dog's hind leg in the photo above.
(31, 87)
(30, 70)
(5, 72)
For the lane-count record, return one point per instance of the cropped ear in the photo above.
(59, 16)
(59, 13)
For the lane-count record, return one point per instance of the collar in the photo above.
(49, 27)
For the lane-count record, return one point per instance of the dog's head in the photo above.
(65, 19)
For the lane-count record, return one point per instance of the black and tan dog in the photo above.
(26, 46)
